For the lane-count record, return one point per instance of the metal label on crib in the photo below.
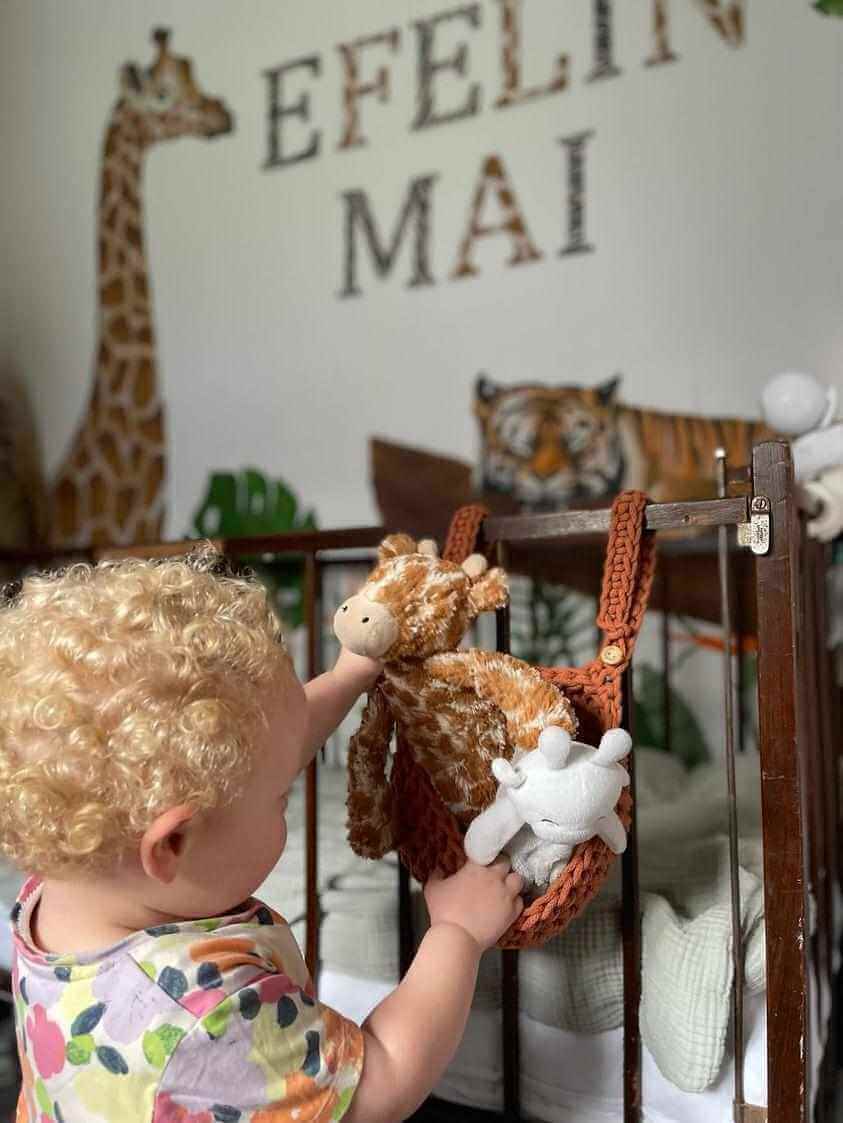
(755, 535)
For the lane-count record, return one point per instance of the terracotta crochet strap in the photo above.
(627, 579)
(595, 689)
(462, 533)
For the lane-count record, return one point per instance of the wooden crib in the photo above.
(749, 568)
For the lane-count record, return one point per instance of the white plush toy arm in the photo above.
(491, 831)
(827, 523)
(610, 829)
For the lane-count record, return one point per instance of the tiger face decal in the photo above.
(550, 447)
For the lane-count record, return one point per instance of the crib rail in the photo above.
(798, 739)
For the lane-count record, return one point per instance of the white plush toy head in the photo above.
(794, 403)
(564, 791)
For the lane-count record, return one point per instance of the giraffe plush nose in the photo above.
(365, 627)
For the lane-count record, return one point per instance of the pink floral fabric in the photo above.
(206, 1021)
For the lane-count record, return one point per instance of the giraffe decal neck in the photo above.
(110, 486)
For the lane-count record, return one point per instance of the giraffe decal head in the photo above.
(415, 604)
(167, 98)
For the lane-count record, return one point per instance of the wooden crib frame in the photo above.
(777, 592)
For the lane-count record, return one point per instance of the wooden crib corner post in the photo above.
(313, 622)
(631, 930)
(782, 791)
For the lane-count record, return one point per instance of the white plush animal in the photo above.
(549, 800)
(800, 405)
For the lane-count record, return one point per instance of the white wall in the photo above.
(714, 202)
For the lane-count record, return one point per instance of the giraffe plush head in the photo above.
(167, 98)
(414, 604)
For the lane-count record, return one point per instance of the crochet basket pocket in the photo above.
(429, 837)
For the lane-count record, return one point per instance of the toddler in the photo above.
(151, 726)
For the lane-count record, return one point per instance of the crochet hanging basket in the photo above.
(429, 837)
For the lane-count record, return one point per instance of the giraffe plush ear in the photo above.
(130, 79)
(488, 592)
(395, 545)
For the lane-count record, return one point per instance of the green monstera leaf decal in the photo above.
(249, 504)
(829, 7)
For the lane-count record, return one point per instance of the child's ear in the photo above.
(163, 842)
(488, 592)
(394, 545)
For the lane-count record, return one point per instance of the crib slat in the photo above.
(728, 635)
(783, 819)
(820, 561)
(312, 598)
(665, 646)
(510, 1035)
(826, 688)
(820, 944)
(815, 580)
(405, 921)
(631, 930)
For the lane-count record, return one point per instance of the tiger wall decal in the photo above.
(552, 447)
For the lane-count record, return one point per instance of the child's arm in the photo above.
(330, 696)
(413, 1034)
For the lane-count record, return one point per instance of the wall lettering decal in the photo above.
(436, 54)
(495, 182)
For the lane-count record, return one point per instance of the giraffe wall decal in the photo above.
(110, 486)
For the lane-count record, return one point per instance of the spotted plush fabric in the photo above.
(453, 711)
(204, 1021)
(459, 710)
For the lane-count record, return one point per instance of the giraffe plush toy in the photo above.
(456, 711)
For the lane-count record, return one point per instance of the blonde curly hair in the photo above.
(126, 688)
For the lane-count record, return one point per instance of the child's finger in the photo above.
(514, 882)
(501, 865)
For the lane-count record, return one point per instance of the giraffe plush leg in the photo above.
(369, 803)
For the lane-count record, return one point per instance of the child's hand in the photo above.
(359, 671)
(330, 696)
(484, 900)
(414, 1032)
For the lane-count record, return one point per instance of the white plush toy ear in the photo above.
(615, 744)
(428, 547)
(555, 746)
(491, 831)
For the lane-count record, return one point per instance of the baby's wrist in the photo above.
(455, 930)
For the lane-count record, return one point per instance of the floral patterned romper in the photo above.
(205, 1021)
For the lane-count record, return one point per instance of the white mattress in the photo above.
(567, 1077)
